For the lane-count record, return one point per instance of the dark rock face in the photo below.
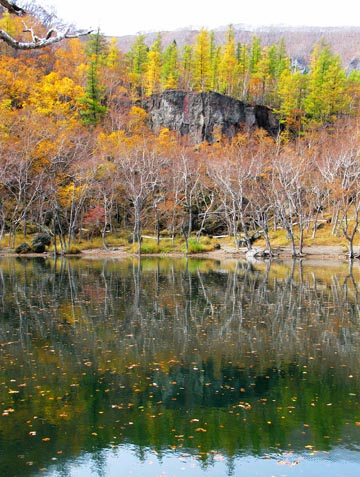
(200, 115)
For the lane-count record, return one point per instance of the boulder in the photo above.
(23, 248)
(40, 242)
(204, 115)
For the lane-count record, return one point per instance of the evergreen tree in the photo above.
(201, 75)
(138, 57)
(186, 68)
(243, 69)
(255, 53)
(93, 102)
(327, 81)
(215, 55)
(170, 67)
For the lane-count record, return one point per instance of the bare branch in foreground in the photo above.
(51, 37)
(40, 42)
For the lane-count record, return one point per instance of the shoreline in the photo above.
(325, 252)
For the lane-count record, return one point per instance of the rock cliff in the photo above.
(199, 115)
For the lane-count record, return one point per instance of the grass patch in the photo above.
(151, 247)
(199, 247)
(323, 236)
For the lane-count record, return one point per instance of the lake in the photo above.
(179, 367)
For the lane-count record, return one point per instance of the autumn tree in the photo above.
(152, 75)
(228, 65)
(292, 89)
(70, 60)
(201, 74)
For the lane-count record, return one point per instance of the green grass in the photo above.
(199, 247)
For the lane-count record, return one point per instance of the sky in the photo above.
(124, 17)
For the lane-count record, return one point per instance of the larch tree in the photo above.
(215, 55)
(292, 91)
(243, 70)
(201, 76)
(138, 57)
(327, 97)
(228, 65)
(186, 67)
(152, 77)
(170, 67)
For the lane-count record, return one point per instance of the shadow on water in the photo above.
(192, 356)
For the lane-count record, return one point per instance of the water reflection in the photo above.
(206, 360)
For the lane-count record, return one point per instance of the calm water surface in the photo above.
(167, 368)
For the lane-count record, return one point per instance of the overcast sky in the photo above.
(119, 17)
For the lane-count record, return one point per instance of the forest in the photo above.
(79, 162)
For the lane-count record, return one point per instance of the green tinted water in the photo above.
(178, 367)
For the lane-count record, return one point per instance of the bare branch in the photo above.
(37, 42)
(51, 37)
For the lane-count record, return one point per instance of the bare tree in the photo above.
(232, 178)
(140, 175)
(289, 194)
(53, 35)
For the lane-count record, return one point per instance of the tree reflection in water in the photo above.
(206, 357)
